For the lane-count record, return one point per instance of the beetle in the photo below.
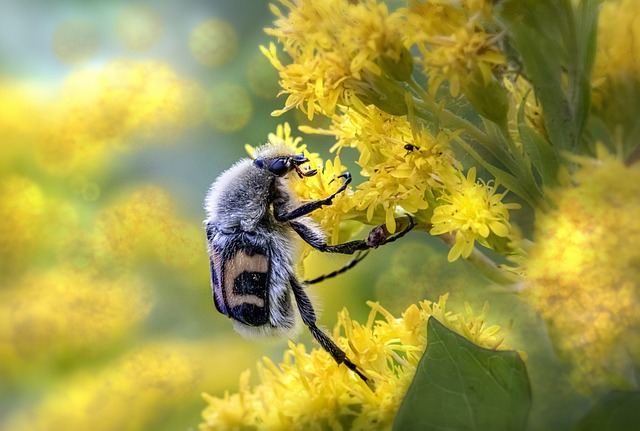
(252, 224)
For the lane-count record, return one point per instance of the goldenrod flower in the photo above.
(23, 214)
(134, 392)
(144, 224)
(454, 47)
(309, 391)
(62, 313)
(103, 109)
(473, 211)
(583, 272)
(332, 43)
(618, 41)
(404, 167)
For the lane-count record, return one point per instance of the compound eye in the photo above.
(280, 166)
(259, 163)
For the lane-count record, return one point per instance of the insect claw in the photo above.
(346, 176)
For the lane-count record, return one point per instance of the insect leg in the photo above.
(312, 206)
(378, 236)
(359, 256)
(309, 318)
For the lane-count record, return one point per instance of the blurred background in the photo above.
(115, 117)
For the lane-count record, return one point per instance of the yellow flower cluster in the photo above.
(309, 391)
(131, 394)
(453, 42)
(403, 168)
(422, 178)
(473, 211)
(145, 224)
(332, 45)
(350, 61)
(583, 272)
(339, 49)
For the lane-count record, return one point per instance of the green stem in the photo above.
(451, 120)
(427, 108)
(484, 264)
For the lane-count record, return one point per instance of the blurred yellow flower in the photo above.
(309, 391)
(23, 215)
(103, 109)
(618, 41)
(145, 223)
(133, 393)
(229, 107)
(214, 42)
(583, 272)
(63, 313)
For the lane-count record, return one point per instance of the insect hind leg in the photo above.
(309, 318)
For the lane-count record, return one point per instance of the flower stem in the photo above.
(484, 264)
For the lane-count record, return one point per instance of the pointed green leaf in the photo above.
(542, 154)
(556, 44)
(461, 386)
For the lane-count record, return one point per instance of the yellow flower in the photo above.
(473, 211)
(145, 224)
(134, 392)
(618, 41)
(583, 272)
(332, 43)
(24, 216)
(405, 167)
(453, 48)
(62, 313)
(309, 391)
(318, 186)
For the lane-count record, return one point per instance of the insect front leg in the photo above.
(281, 215)
(309, 319)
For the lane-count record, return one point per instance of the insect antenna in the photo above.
(359, 256)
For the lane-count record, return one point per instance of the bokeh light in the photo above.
(213, 42)
(262, 77)
(230, 107)
(138, 27)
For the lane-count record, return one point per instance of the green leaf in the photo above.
(490, 100)
(617, 411)
(542, 154)
(556, 44)
(461, 386)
